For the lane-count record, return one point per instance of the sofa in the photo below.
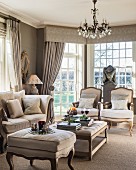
(19, 111)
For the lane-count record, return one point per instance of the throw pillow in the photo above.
(32, 106)
(14, 108)
(19, 95)
(86, 103)
(4, 96)
(119, 104)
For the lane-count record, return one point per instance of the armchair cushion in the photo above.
(86, 103)
(119, 104)
(32, 106)
(117, 114)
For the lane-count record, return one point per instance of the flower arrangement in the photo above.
(72, 111)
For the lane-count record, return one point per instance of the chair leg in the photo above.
(130, 128)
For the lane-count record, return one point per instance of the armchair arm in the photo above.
(131, 106)
(107, 105)
(99, 105)
(75, 104)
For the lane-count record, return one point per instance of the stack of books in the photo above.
(66, 126)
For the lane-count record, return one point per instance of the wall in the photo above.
(29, 44)
(40, 47)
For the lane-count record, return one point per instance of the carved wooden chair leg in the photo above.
(31, 162)
(9, 157)
(130, 128)
(54, 164)
(70, 157)
(109, 125)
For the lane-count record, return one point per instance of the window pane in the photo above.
(103, 54)
(97, 46)
(57, 98)
(128, 52)
(72, 48)
(57, 86)
(97, 54)
(64, 75)
(122, 53)
(128, 44)
(64, 63)
(71, 86)
(64, 86)
(122, 45)
(64, 98)
(71, 63)
(109, 46)
(116, 62)
(109, 53)
(115, 53)
(103, 46)
(122, 62)
(103, 62)
(115, 45)
(129, 62)
(71, 75)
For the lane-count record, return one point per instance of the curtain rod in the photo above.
(8, 17)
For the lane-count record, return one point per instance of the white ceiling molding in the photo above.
(14, 13)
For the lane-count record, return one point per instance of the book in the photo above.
(66, 126)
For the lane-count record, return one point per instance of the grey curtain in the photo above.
(14, 30)
(53, 54)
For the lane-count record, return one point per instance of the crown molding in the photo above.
(19, 15)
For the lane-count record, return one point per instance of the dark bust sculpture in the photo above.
(109, 74)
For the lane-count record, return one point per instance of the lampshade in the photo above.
(34, 80)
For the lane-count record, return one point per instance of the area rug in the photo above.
(118, 154)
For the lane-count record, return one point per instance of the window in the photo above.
(118, 55)
(69, 80)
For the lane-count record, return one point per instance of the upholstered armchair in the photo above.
(90, 100)
(120, 109)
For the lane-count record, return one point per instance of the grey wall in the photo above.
(40, 46)
(29, 44)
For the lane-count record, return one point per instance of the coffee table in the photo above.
(90, 139)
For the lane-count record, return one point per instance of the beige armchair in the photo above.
(90, 99)
(120, 109)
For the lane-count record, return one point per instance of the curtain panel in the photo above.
(13, 39)
(53, 55)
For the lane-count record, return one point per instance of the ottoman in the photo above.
(43, 147)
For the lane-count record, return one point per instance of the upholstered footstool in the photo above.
(43, 147)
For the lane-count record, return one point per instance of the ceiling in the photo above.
(70, 12)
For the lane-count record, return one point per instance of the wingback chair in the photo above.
(120, 109)
(90, 99)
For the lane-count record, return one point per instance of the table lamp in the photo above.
(34, 80)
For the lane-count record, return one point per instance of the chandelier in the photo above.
(96, 30)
